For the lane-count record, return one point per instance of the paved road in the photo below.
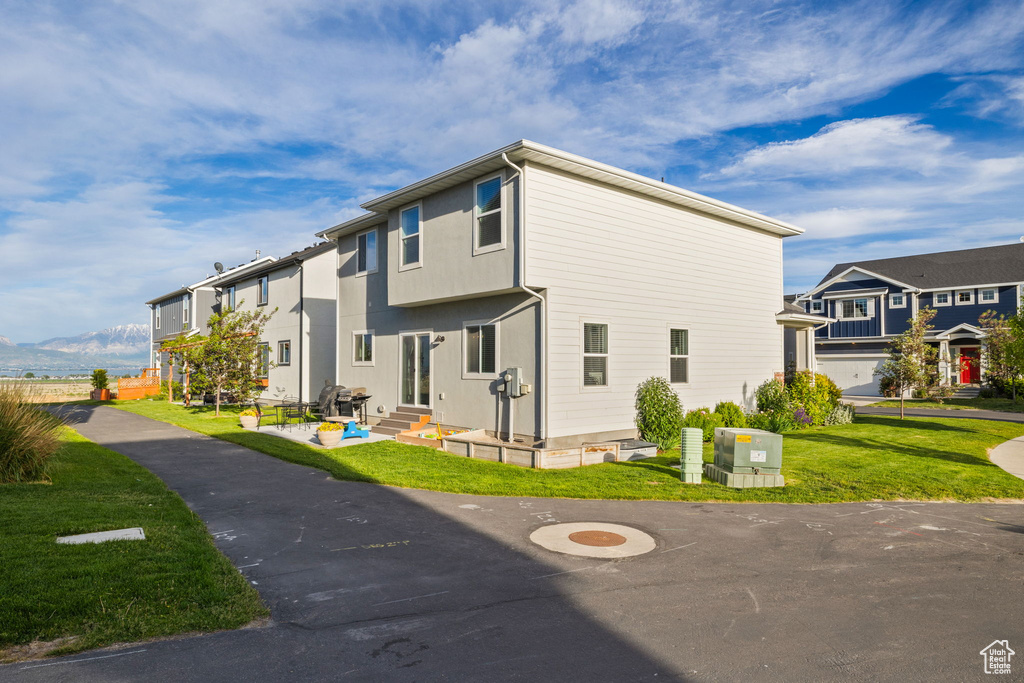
(377, 583)
(943, 412)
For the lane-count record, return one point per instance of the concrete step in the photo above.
(397, 423)
(967, 392)
(412, 418)
(386, 431)
(416, 411)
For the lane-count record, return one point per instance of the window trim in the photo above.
(280, 362)
(995, 294)
(419, 235)
(477, 249)
(186, 307)
(157, 308)
(262, 299)
(817, 306)
(263, 369)
(373, 350)
(900, 305)
(869, 313)
(230, 292)
(671, 356)
(935, 298)
(969, 302)
(607, 386)
(466, 374)
(376, 250)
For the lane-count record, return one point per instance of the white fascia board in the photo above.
(367, 220)
(854, 293)
(963, 327)
(525, 150)
(232, 272)
(801, 321)
(950, 288)
(847, 356)
(840, 276)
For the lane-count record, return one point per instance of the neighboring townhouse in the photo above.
(587, 278)
(870, 302)
(299, 291)
(186, 311)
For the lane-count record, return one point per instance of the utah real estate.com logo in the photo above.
(997, 657)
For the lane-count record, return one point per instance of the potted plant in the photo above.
(250, 417)
(330, 433)
(100, 392)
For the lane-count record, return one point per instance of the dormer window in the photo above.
(489, 232)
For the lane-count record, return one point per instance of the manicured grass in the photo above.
(175, 581)
(1004, 405)
(875, 458)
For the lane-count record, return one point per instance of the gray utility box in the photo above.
(748, 451)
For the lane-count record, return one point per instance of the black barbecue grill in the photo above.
(338, 401)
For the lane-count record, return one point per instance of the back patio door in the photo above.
(415, 360)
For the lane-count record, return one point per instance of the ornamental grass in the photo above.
(28, 436)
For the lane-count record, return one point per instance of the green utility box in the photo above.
(746, 458)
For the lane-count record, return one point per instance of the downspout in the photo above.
(302, 298)
(543, 306)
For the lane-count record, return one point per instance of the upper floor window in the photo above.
(409, 234)
(262, 291)
(480, 342)
(186, 304)
(157, 309)
(264, 360)
(595, 355)
(856, 308)
(678, 356)
(964, 297)
(897, 301)
(284, 353)
(229, 298)
(366, 252)
(489, 230)
(990, 296)
(941, 299)
(817, 306)
(362, 347)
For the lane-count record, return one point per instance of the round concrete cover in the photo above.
(578, 538)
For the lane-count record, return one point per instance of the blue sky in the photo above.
(143, 141)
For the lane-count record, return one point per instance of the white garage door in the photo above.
(855, 376)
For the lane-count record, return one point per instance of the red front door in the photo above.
(970, 367)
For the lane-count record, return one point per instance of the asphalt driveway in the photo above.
(368, 582)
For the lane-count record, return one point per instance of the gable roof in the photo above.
(277, 264)
(525, 150)
(212, 280)
(962, 268)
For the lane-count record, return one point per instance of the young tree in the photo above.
(999, 356)
(910, 357)
(229, 359)
(1013, 354)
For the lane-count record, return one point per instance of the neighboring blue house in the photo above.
(872, 301)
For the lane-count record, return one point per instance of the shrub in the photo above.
(920, 392)
(812, 402)
(705, 420)
(659, 414)
(887, 387)
(99, 379)
(777, 421)
(28, 436)
(732, 415)
(771, 396)
(179, 391)
(987, 392)
(842, 414)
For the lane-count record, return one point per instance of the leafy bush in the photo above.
(659, 414)
(99, 379)
(887, 387)
(987, 392)
(771, 396)
(777, 421)
(920, 392)
(842, 414)
(705, 420)
(812, 402)
(28, 436)
(732, 415)
(179, 391)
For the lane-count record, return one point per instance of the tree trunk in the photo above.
(903, 396)
(216, 401)
(170, 379)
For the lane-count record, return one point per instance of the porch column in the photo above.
(944, 365)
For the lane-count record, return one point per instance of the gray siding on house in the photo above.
(450, 269)
(207, 302)
(171, 317)
(642, 266)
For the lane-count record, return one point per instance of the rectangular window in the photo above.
(678, 356)
(362, 347)
(264, 360)
(941, 298)
(410, 229)
(284, 353)
(855, 308)
(990, 296)
(595, 355)
(481, 349)
(185, 305)
(229, 298)
(964, 297)
(817, 306)
(897, 301)
(488, 215)
(157, 308)
(262, 291)
(366, 252)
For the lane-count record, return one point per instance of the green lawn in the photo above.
(876, 458)
(175, 581)
(1004, 405)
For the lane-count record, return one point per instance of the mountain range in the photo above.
(123, 346)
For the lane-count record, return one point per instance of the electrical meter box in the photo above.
(748, 451)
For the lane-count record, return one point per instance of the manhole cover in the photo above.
(600, 539)
(594, 539)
